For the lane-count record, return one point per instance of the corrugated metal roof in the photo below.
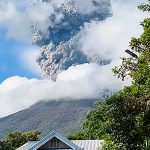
(74, 144)
(28, 145)
(89, 144)
(34, 145)
(58, 136)
(83, 144)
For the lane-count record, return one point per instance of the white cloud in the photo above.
(78, 82)
(28, 58)
(111, 37)
(18, 17)
(14, 21)
(87, 6)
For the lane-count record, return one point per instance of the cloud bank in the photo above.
(109, 39)
(78, 82)
(18, 18)
(28, 57)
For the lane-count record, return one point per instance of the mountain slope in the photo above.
(64, 116)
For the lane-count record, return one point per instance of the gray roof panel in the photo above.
(28, 145)
(74, 144)
(89, 144)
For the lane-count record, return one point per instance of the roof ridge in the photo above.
(60, 137)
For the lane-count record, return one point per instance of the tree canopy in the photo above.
(124, 119)
(17, 139)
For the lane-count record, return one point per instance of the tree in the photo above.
(130, 126)
(96, 125)
(135, 100)
(77, 136)
(123, 120)
(17, 139)
(127, 126)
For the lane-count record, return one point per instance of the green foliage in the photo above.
(128, 115)
(145, 7)
(96, 123)
(77, 136)
(110, 145)
(124, 119)
(130, 112)
(17, 139)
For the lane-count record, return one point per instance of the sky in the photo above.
(21, 84)
(11, 61)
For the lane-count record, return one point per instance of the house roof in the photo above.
(83, 144)
(37, 144)
(89, 144)
(28, 145)
(74, 144)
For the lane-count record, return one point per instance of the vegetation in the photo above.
(77, 136)
(130, 108)
(17, 139)
(124, 119)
